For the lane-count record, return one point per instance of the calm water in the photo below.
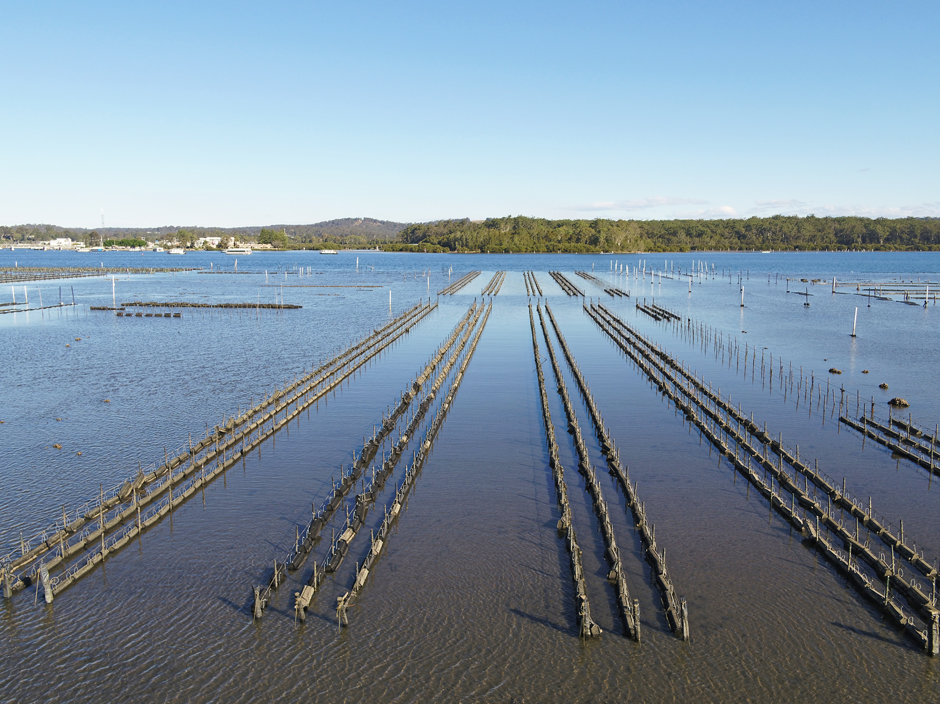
(472, 599)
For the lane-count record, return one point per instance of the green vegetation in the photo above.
(358, 232)
(372, 244)
(275, 238)
(125, 243)
(184, 238)
(521, 234)
(428, 247)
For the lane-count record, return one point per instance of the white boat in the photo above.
(328, 251)
(177, 250)
(238, 250)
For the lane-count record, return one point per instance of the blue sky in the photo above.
(232, 113)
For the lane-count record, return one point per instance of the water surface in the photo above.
(472, 600)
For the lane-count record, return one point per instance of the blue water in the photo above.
(473, 600)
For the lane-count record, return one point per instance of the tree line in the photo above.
(780, 232)
(523, 234)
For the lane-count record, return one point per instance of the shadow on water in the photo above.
(544, 622)
(244, 609)
(869, 634)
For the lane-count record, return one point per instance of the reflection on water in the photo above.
(472, 598)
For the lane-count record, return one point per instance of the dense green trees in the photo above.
(275, 238)
(521, 234)
(185, 238)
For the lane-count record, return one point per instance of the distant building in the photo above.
(208, 241)
(61, 243)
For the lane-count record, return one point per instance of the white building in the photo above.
(61, 243)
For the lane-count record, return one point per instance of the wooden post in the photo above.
(933, 634)
(636, 618)
(341, 610)
(685, 620)
(101, 517)
(258, 606)
(46, 584)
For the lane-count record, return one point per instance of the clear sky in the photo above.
(235, 113)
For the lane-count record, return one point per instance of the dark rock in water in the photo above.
(882, 386)
(833, 370)
(898, 402)
(864, 371)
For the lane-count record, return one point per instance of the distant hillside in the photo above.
(353, 227)
(344, 230)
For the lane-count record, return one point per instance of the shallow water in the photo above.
(472, 599)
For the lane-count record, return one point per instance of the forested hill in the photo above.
(352, 230)
(521, 234)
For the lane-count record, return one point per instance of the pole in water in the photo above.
(742, 296)
(46, 584)
(855, 322)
